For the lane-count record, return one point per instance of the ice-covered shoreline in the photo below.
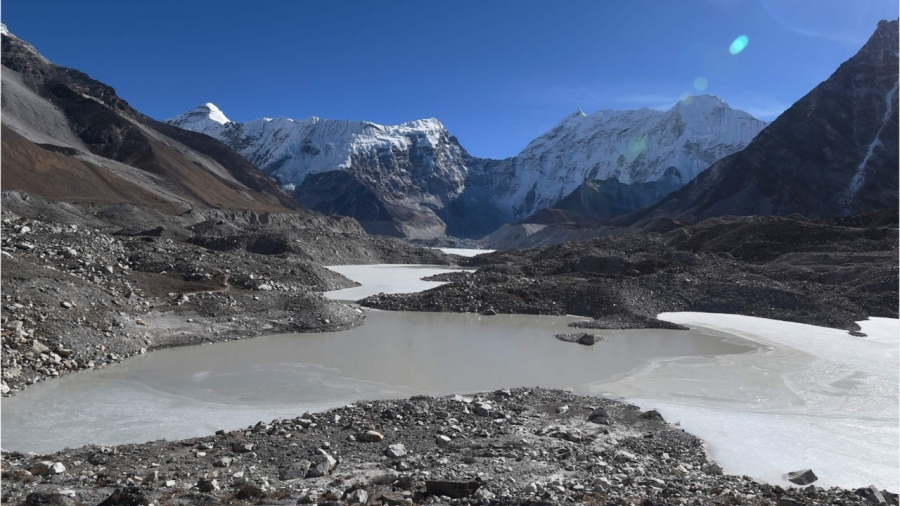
(814, 397)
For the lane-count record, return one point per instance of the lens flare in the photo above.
(739, 44)
(687, 98)
(635, 148)
(700, 83)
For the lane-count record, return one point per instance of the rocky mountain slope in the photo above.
(597, 200)
(69, 137)
(415, 179)
(834, 152)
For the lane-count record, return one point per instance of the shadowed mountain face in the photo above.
(68, 137)
(833, 153)
(595, 201)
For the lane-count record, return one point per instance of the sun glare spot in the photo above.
(687, 98)
(637, 146)
(700, 83)
(739, 44)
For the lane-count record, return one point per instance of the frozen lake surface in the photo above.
(466, 252)
(386, 278)
(812, 397)
(767, 396)
(192, 391)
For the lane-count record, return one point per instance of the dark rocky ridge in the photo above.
(598, 200)
(792, 269)
(181, 169)
(833, 153)
(520, 446)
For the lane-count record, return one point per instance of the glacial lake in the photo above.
(193, 391)
(767, 396)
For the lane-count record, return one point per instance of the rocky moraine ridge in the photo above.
(79, 293)
(827, 272)
(519, 446)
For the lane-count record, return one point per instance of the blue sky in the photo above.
(496, 73)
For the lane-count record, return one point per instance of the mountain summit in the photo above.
(415, 180)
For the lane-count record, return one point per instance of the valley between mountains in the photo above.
(123, 235)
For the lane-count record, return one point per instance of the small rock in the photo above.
(242, 447)
(713, 469)
(39, 347)
(872, 495)
(46, 498)
(358, 496)
(451, 488)
(599, 415)
(587, 339)
(395, 451)
(297, 471)
(801, 477)
(66, 304)
(442, 440)
(208, 485)
(41, 468)
(562, 409)
(369, 436)
(652, 415)
(223, 462)
(323, 465)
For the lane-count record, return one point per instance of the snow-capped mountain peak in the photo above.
(216, 114)
(4, 30)
(417, 166)
(201, 118)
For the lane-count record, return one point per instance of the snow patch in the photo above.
(216, 114)
(859, 177)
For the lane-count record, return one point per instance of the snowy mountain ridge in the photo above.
(633, 146)
(420, 166)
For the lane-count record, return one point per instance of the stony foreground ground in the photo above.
(520, 446)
